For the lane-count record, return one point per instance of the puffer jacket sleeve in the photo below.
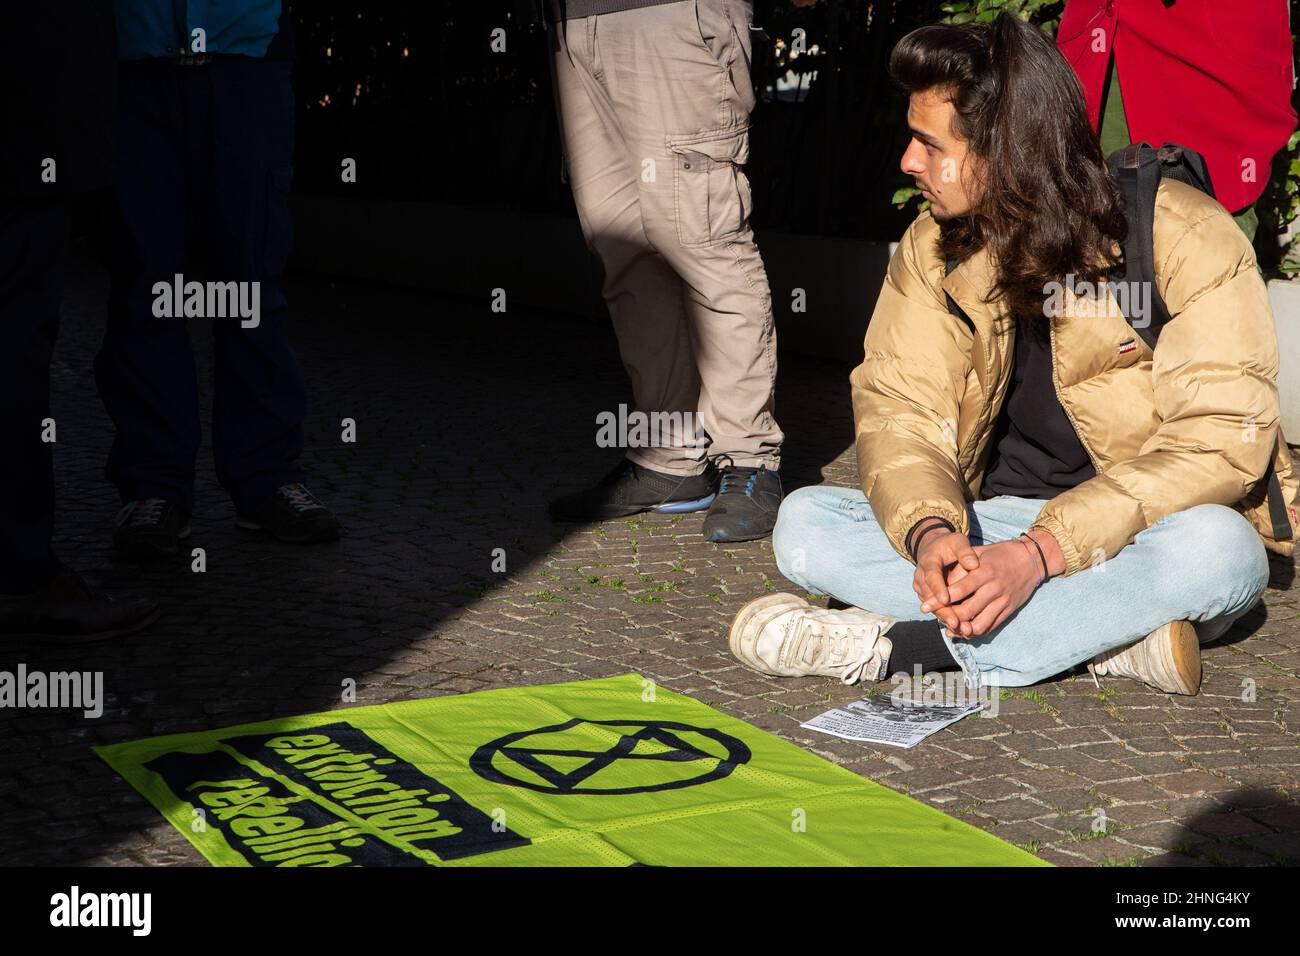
(1214, 375)
(906, 395)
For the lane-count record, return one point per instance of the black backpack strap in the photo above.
(1137, 170)
(1277, 513)
(956, 310)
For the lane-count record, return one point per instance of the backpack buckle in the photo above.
(1170, 155)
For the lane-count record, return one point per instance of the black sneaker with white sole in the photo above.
(630, 489)
(746, 506)
(148, 528)
(292, 514)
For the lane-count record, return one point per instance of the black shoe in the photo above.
(292, 514)
(631, 489)
(67, 611)
(746, 506)
(150, 528)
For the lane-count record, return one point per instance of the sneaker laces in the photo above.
(852, 647)
(722, 469)
(733, 475)
(299, 498)
(146, 511)
(1119, 662)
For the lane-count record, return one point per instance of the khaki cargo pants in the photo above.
(654, 107)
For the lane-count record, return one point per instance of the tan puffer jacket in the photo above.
(1196, 423)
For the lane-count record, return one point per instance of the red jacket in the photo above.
(1212, 75)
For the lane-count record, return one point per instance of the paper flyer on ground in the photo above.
(882, 720)
(615, 771)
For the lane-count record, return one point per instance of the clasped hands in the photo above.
(973, 589)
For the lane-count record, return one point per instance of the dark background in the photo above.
(415, 94)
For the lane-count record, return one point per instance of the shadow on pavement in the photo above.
(467, 422)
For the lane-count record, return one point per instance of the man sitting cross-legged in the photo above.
(1039, 488)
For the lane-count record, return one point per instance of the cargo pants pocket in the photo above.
(711, 196)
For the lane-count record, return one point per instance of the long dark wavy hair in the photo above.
(1045, 205)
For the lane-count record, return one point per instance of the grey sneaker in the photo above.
(292, 514)
(1168, 659)
(785, 636)
(148, 528)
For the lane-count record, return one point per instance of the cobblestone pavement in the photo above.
(466, 422)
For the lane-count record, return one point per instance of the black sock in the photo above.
(918, 642)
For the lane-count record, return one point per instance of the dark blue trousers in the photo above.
(204, 169)
(32, 233)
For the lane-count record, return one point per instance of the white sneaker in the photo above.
(1168, 659)
(785, 636)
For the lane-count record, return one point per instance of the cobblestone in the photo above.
(467, 422)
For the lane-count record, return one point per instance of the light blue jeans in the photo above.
(1206, 565)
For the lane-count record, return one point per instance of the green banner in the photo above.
(612, 772)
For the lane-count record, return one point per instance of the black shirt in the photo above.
(1036, 451)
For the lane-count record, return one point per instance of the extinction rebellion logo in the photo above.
(610, 757)
(332, 795)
